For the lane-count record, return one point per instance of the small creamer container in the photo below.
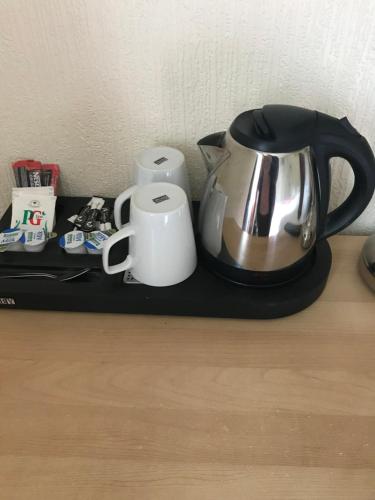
(95, 242)
(34, 240)
(10, 240)
(73, 242)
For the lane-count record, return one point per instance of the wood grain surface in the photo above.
(156, 408)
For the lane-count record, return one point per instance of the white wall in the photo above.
(88, 83)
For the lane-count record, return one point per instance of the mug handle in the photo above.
(120, 200)
(125, 232)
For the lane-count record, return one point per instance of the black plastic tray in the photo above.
(203, 294)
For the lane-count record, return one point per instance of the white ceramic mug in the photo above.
(162, 164)
(162, 248)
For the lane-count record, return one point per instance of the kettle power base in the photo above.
(204, 294)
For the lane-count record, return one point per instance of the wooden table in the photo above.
(135, 407)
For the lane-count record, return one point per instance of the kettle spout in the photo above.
(213, 151)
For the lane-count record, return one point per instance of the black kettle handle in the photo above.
(338, 138)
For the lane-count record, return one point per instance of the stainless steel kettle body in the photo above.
(259, 210)
(262, 211)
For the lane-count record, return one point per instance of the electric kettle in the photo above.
(265, 202)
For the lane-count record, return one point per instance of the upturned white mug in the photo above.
(162, 164)
(162, 248)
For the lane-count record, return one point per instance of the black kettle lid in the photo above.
(275, 128)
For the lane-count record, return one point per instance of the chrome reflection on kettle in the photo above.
(266, 197)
